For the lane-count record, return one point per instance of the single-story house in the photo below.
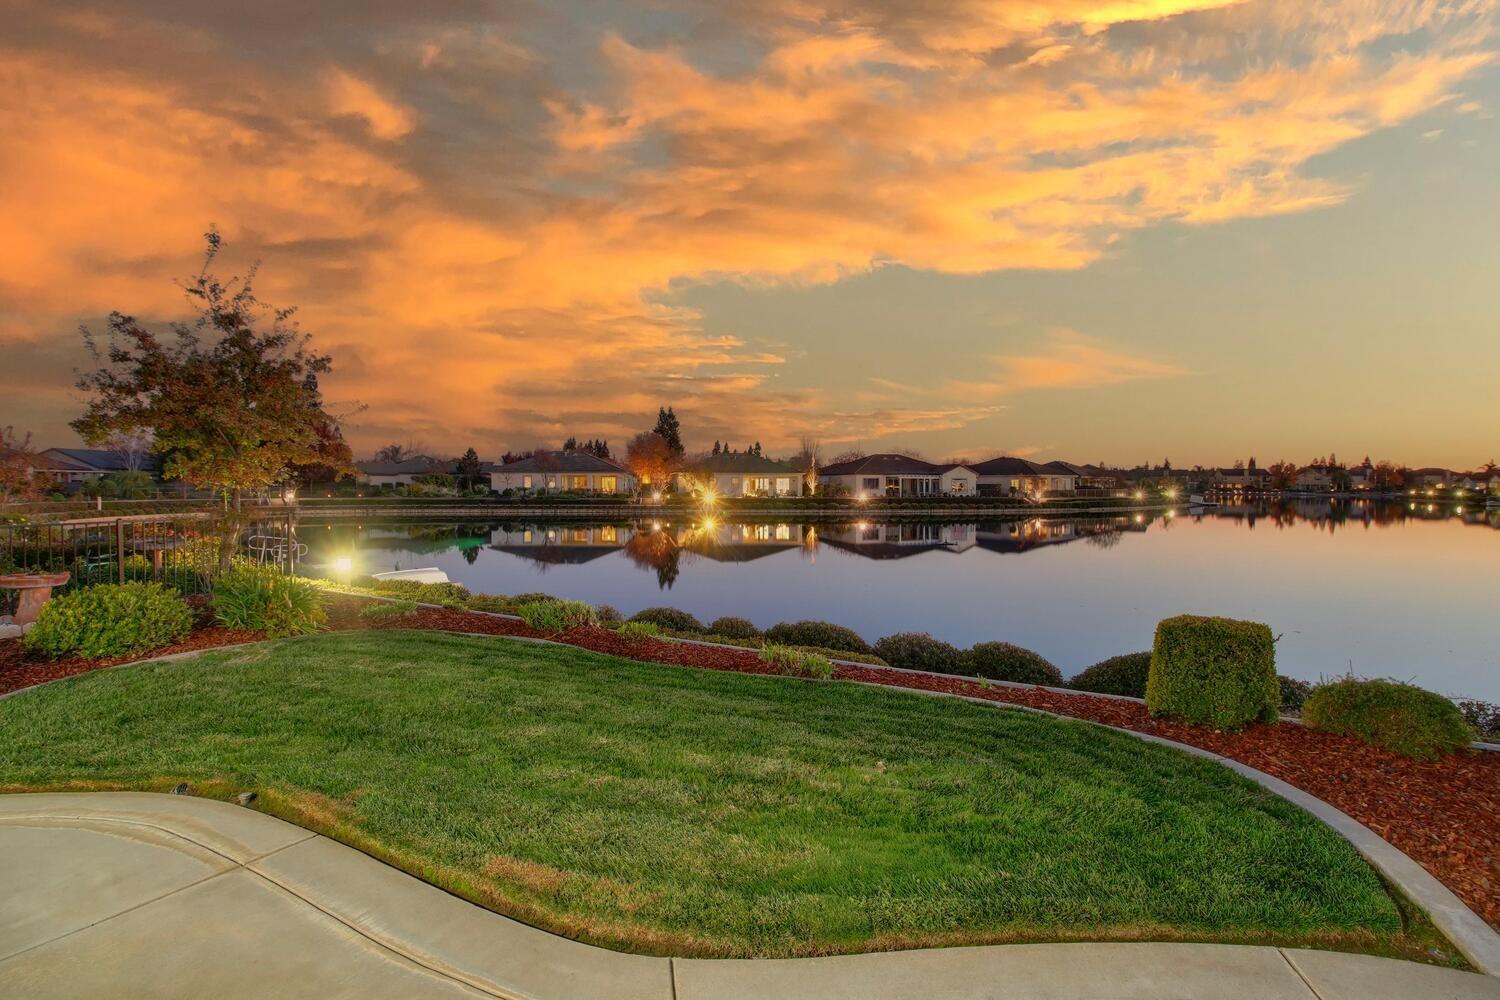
(898, 476)
(555, 471)
(382, 473)
(72, 466)
(1314, 478)
(1430, 477)
(741, 474)
(1007, 476)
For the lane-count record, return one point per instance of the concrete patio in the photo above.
(124, 894)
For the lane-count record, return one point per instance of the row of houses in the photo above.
(743, 474)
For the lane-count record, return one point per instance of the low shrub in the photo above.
(670, 619)
(1484, 716)
(447, 595)
(531, 597)
(1219, 672)
(557, 616)
(1124, 674)
(638, 631)
(267, 600)
(824, 635)
(1293, 694)
(386, 611)
(920, 651)
(797, 663)
(1402, 718)
(734, 628)
(1001, 661)
(492, 603)
(114, 619)
(609, 614)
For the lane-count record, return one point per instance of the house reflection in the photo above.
(875, 540)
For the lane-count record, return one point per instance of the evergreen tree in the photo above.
(716, 447)
(670, 430)
(571, 444)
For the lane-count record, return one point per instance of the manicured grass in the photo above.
(663, 809)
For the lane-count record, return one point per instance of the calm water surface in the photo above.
(1386, 591)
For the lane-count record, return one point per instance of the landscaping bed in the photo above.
(1445, 814)
(711, 813)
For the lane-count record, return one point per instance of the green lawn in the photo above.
(660, 809)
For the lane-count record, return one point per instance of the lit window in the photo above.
(551, 483)
(525, 482)
(608, 483)
(783, 487)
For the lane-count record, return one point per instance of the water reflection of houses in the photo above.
(899, 540)
(556, 545)
(738, 542)
(1024, 536)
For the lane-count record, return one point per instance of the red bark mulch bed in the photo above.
(1445, 814)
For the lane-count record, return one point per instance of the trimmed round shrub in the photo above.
(1001, 661)
(112, 619)
(1402, 718)
(669, 619)
(609, 614)
(797, 662)
(823, 635)
(920, 651)
(267, 600)
(1217, 672)
(1293, 694)
(1124, 674)
(731, 627)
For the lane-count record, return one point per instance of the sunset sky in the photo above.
(1114, 230)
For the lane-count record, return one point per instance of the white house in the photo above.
(898, 476)
(402, 473)
(741, 474)
(1010, 476)
(556, 471)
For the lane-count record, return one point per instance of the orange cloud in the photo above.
(490, 235)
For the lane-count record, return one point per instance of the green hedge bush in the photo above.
(1001, 661)
(491, 603)
(732, 627)
(448, 595)
(920, 651)
(824, 635)
(1402, 718)
(638, 631)
(267, 600)
(113, 619)
(1213, 671)
(1294, 694)
(670, 619)
(1124, 674)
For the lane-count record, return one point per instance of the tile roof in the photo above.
(885, 465)
(96, 460)
(562, 461)
(740, 461)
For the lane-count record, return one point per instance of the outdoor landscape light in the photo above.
(343, 565)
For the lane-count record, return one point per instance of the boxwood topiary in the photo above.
(824, 635)
(1213, 671)
(670, 619)
(731, 627)
(113, 619)
(920, 651)
(1002, 661)
(1124, 674)
(1402, 718)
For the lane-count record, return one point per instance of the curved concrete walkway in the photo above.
(130, 894)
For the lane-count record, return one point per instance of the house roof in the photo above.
(1007, 466)
(739, 461)
(562, 461)
(93, 460)
(416, 465)
(885, 465)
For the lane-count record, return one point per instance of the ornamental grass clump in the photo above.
(113, 619)
(670, 619)
(638, 631)
(1001, 661)
(824, 635)
(264, 599)
(1217, 672)
(557, 616)
(797, 663)
(1123, 675)
(1402, 718)
(920, 651)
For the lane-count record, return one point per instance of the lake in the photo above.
(1384, 590)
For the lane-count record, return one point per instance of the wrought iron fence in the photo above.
(184, 551)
